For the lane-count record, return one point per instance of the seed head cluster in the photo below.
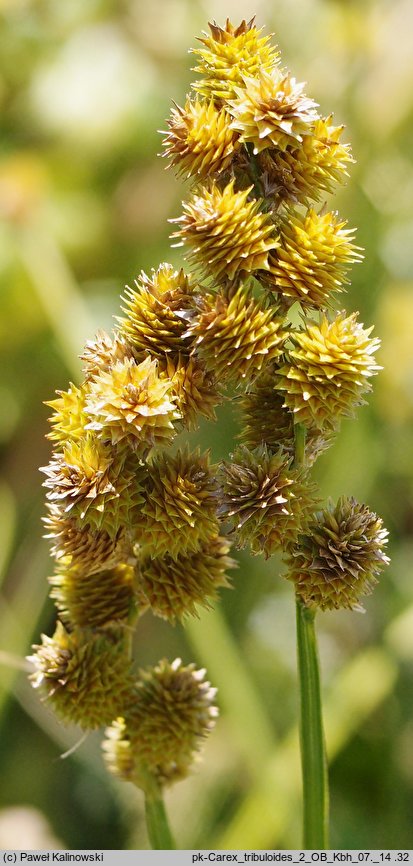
(139, 522)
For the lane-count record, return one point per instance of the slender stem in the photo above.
(157, 824)
(313, 755)
(313, 758)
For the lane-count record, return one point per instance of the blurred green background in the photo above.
(84, 203)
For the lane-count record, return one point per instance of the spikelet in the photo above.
(200, 141)
(174, 588)
(157, 741)
(69, 418)
(266, 421)
(339, 557)
(195, 388)
(103, 352)
(130, 404)
(327, 372)
(236, 336)
(84, 675)
(271, 110)
(305, 171)
(230, 54)
(311, 263)
(93, 484)
(88, 549)
(179, 514)
(227, 235)
(267, 501)
(156, 312)
(95, 600)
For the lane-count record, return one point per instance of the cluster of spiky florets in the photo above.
(136, 525)
(157, 740)
(338, 558)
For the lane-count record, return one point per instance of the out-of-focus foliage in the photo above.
(84, 203)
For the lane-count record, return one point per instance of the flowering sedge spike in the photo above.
(327, 372)
(265, 498)
(338, 558)
(84, 674)
(237, 336)
(175, 587)
(271, 110)
(312, 260)
(157, 740)
(179, 511)
(200, 141)
(96, 600)
(228, 235)
(156, 312)
(228, 55)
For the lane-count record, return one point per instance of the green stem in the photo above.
(313, 758)
(157, 824)
(313, 755)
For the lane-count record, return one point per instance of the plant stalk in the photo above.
(313, 756)
(159, 833)
(313, 753)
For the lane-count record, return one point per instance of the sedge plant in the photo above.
(137, 522)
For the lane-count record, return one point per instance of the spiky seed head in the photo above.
(179, 513)
(228, 236)
(271, 110)
(94, 484)
(338, 558)
(132, 405)
(267, 501)
(156, 312)
(80, 546)
(158, 739)
(174, 588)
(315, 253)
(228, 55)
(306, 170)
(327, 372)
(69, 418)
(103, 352)
(236, 335)
(195, 388)
(266, 421)
(95, 600)
(84, 675)
(200, 141)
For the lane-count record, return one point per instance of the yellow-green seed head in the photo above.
(84, 675)
(306, 170)
(69, 418)
(95, 600)
(271, 110)
(174, 588)
(94, 484)
(267, 501)
(80, 546)
(327, 372)
(228, 55)
(156, 312)
(236, 335)
(195, 388)
(338, 558)
(103, 352)
(179, 514)
(228, 235)
(200, 141)
(315, 253)
(131, 404)
(266, 421)
(159, 737)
